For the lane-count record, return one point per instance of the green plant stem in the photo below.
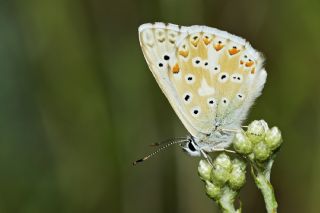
(262, 180)
(226, 201)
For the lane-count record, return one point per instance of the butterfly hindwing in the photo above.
(210, 77)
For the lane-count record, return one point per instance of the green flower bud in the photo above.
(261, 151)
(242, 144)
(273, 138)
(212, 190)
(204, 170)
(219, 175)
(238, 174)
(224, 161)
(237, 179)
(236, 163)
(256, 130)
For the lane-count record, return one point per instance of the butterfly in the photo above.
(210, 77)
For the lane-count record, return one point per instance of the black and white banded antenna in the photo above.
(167, 144)
(168, 141)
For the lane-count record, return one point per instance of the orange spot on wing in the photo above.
(241, 62)
(218, 47)
(195, 43)
(176, 68)
(184, 53)
(233, 51)
(249, 63)
(206, 41)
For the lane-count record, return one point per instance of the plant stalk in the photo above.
(227, 199)
(262, 180)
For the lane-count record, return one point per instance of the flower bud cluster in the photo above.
(258, 141)
(223, 172)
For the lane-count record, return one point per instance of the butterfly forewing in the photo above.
(158, 42)
(210, 77)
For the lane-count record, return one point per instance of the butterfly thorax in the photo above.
(218, 139)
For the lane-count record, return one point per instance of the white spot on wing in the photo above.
(187, 97)
(205, 64)
(195, 111)
(190, 79)
(205, 89)
(223, 77)
(160, 35)
(236, 78)
(240, 96)
(196, 62)
(225, 101)
(214, 69)
(177, 75)
(211, 102)
(148, 38)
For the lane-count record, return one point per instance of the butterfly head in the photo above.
(191, 147)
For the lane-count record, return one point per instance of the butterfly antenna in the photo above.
(160, 149)
(167, 141)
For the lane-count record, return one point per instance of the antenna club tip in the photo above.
(137, 161)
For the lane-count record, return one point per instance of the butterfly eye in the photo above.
(223, 77)
(190, 79)
(191, 147)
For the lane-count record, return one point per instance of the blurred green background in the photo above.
(78, 105)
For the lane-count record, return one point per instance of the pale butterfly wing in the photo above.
(210, 77)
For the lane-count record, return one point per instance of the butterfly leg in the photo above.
(230, 130)
(207, 157)
(224, 150)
